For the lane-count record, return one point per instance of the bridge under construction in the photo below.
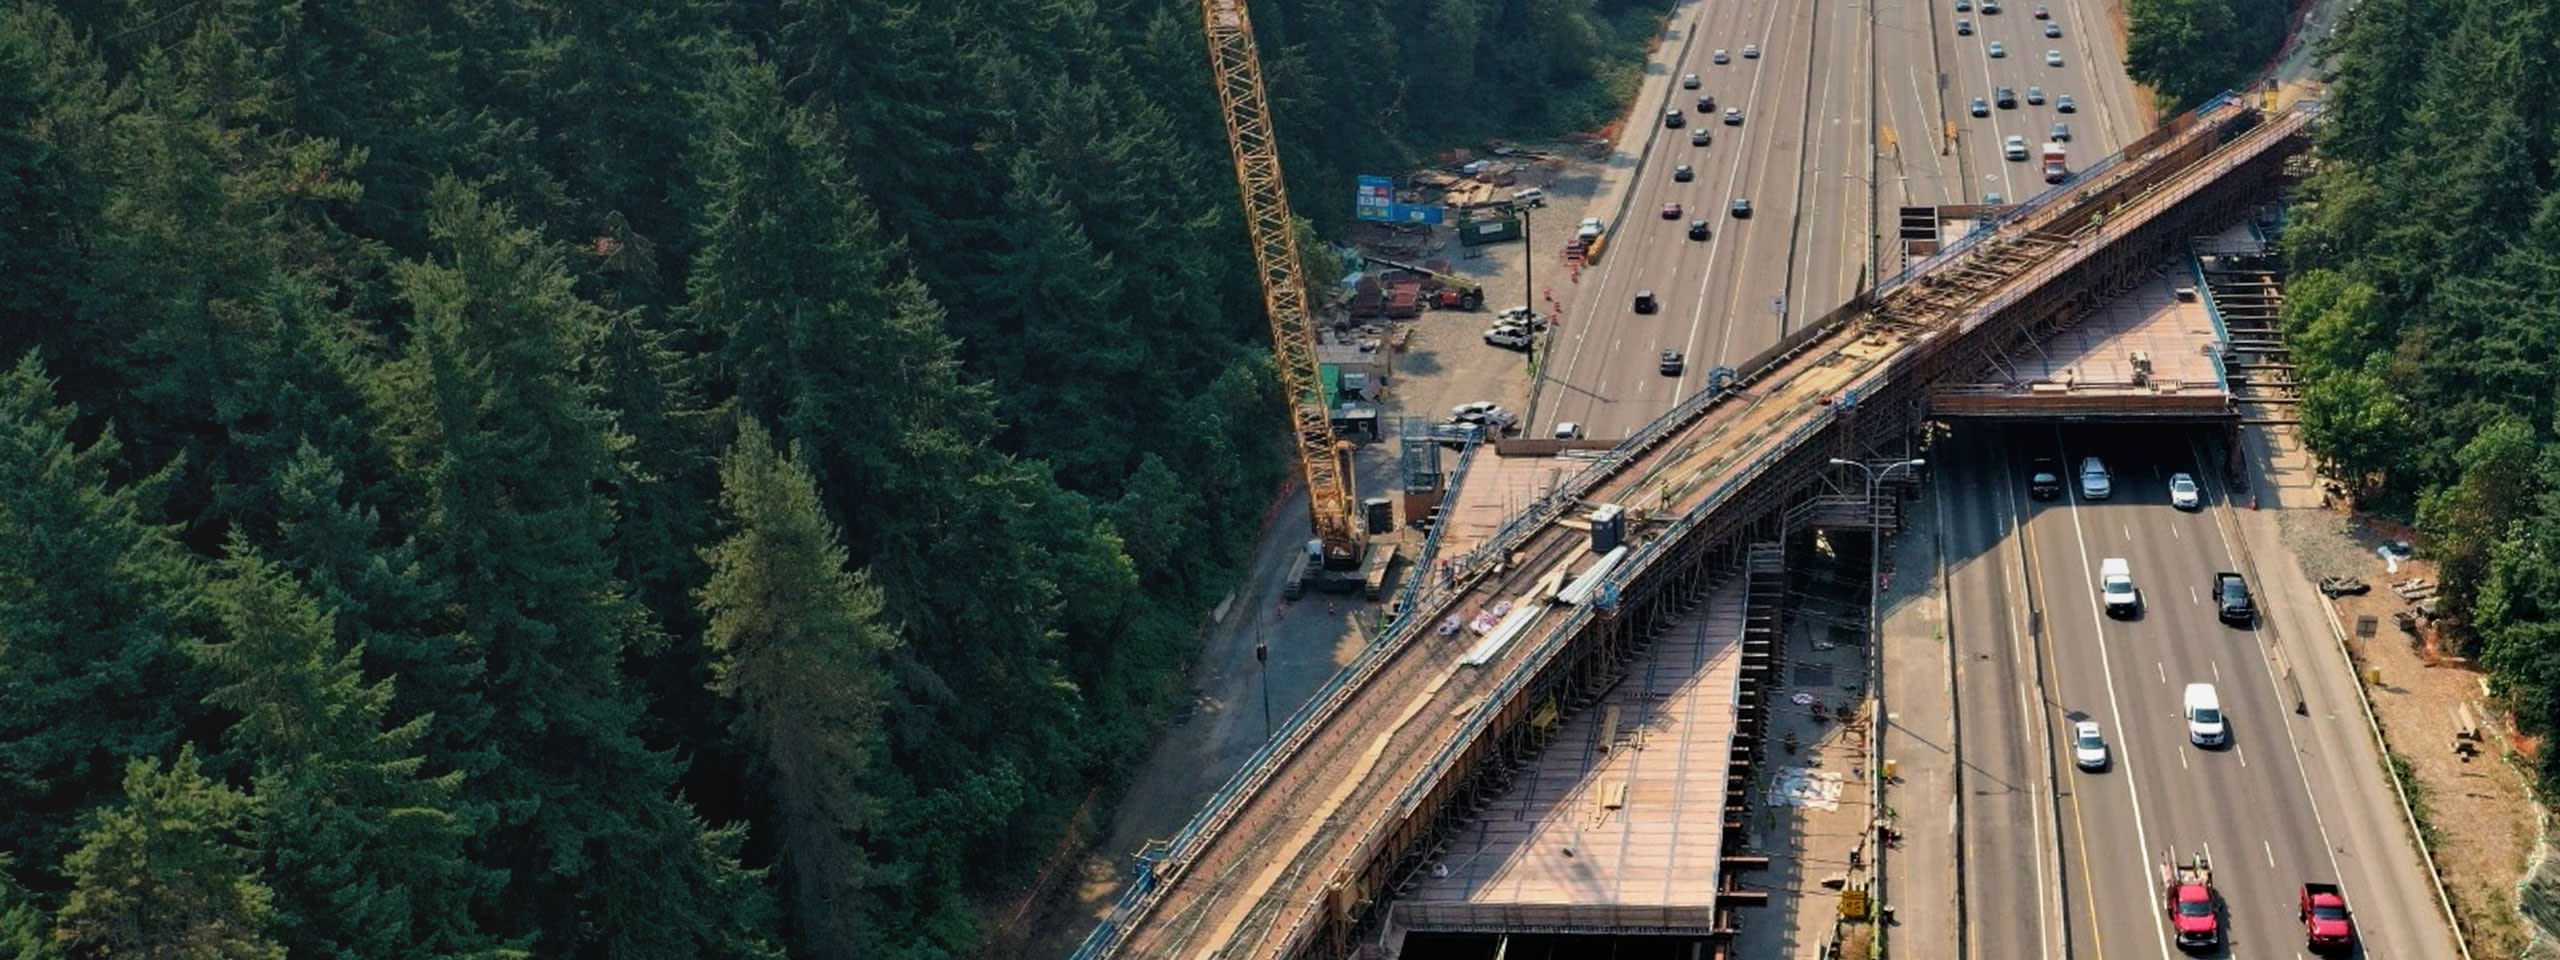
(1295, 856)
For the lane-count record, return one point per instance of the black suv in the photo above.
(2044, 479)
(2231, 599)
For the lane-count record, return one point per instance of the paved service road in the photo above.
(2012, 897)
(1719, 297)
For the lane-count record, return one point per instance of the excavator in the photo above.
(1340, 556)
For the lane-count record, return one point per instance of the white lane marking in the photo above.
(2271, 853)
(2301, 770)
(2013, 518)
(2173, 533)
(2164, 670)
(1990, 91)
(2217, 669)
(2193, 596)
(2128, 533)
(2141, 833)
(1744, 254)
(1599, 289)
(2242, 752)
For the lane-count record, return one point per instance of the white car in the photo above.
(1998, 51)
(2183, 493)
(2088, 747)
(1751, 51)
(1568, 430)
(2053, 58)
(2115, 586)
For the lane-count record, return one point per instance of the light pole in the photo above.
(1262, 657)
(1875, 654)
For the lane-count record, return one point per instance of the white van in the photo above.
(2095, 482)
(2204, 716)
(1529, 196)
(2115, 585)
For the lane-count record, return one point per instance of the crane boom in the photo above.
(1238, 69)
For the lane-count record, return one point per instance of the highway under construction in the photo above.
(1302, 850)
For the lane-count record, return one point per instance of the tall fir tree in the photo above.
(800, 649)
(365, 847)
(25, 932)
(167, 874)
(93, 598)
(485, 407)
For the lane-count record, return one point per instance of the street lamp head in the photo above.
(1837, 462)
(1916, 462)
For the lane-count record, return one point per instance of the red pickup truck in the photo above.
(2187, 896)
(2325, 923)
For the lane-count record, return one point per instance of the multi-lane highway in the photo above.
(1851, 111)
(2104, 115)
(2010, 868)
(1804, 109)
(2079, 858)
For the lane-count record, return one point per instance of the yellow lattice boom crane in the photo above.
(1340, 544)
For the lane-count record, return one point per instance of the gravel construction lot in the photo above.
(2477, 815)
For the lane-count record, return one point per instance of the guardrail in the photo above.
(1421, 569)
(2212, 312)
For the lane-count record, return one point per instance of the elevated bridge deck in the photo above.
(1291, 856)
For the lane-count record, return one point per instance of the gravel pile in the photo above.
(2330, 543)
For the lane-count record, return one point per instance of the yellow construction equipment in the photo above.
(1340, 540)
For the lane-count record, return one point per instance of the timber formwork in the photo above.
(1763, 663)
(1883, 357)
(2246, 288)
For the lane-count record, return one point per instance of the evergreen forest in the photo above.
(643, 480)
(2188, 50)
(2424, 311)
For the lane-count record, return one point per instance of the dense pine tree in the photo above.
(2429, 254)
(93, 599)
(167, 874)
(802, 652)
(365, 849)
(484, 407)
(427, 326)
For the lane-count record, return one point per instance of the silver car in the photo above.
(2088, 747)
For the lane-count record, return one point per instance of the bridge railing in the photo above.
(1420, 573)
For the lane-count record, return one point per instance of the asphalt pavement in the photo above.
(1852, 110)
(2012, 891)
(1719, 297)
(2292, 798)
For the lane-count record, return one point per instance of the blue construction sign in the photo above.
(1376, 203)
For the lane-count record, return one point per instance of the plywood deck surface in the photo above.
(2097, 354)
(1618, 823)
